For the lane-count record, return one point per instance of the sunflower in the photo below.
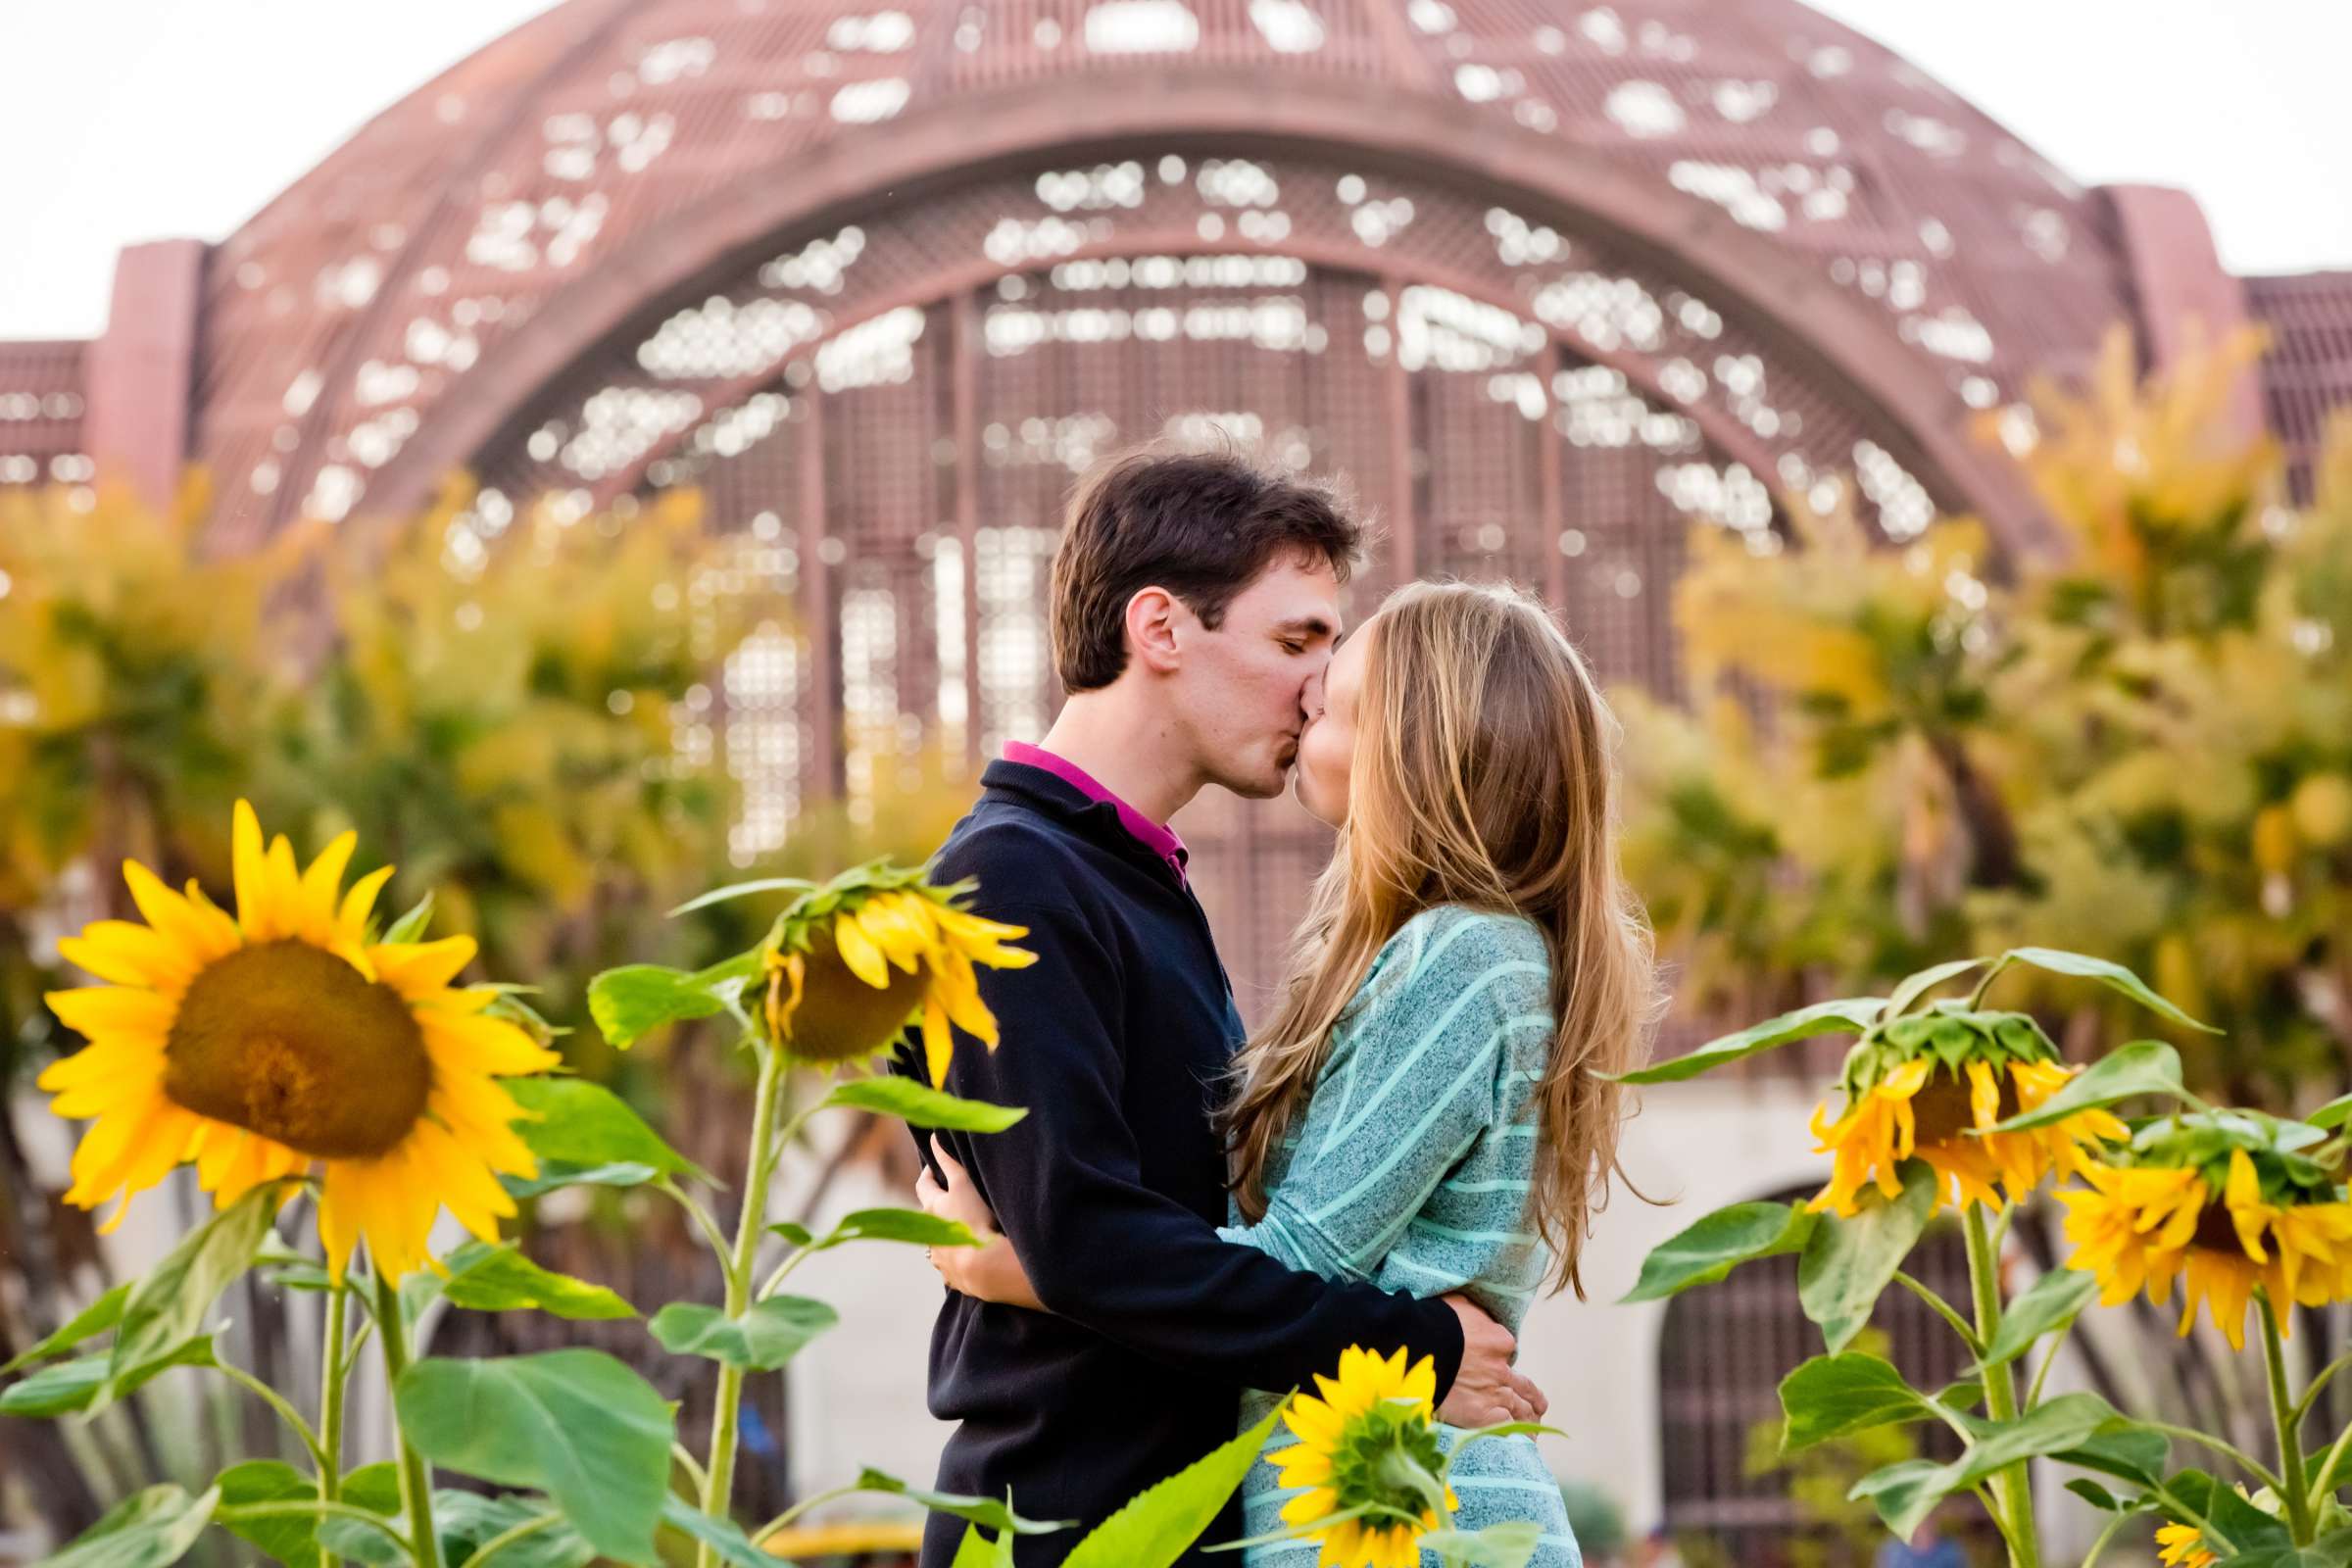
(283, 1042)
(2222, 1201)
(850, 963)
(1930, 1088)
(2181, 1547)
(1372, 1423)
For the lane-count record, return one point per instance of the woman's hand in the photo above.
(989, 1272)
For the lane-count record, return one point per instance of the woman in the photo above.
(1425, 1109)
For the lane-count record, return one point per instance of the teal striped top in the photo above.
(1411, 1165)
(1411, 1168)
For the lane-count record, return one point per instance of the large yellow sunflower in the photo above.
(1929, 1090)
(2213, 1201)
(1374, 1407)
(850, 963)
(283, 1043)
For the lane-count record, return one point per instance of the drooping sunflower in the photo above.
(1375, 1408)
(2181, 1547)
(1930, 1088)
(850, 963)
(2222, 1201)
(283, 1042)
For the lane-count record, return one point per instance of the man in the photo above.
(1194, 599)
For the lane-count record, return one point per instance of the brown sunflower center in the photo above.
(289, 1041)
(1944, 1108)
(841, 1016)
(2217, 1232)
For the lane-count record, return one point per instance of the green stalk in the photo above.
(2282, 1418)
(331, 1371)
(415, 1477)
(719, 1485)
(2015, 1481)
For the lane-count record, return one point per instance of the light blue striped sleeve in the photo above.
(1431, 1073)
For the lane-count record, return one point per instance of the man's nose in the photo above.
(1310, 695)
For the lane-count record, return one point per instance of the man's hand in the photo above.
(990, 1272)
(1487, 1389)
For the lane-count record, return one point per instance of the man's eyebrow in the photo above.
(1310, 625)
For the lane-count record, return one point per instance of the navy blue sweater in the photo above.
(1111, 1189)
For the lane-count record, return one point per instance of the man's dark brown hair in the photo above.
(1200, 524)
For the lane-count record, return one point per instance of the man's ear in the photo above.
(1153, 622)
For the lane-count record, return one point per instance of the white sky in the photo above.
(130, 120)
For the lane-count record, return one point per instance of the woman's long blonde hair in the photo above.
(1482, 775)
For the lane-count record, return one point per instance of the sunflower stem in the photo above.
(1942, 1309)
(720, 1246)
(797, 1509)
(2228, 1450)
(415, 1477)
(2099, 1545)
(332, 1372)
(277, 1402)
(2323, 1481)
(2318, 1385)
(2297, 1486)
(508, 1537)
(2015, 1481)
(718, 1484)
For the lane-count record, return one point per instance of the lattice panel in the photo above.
(40, 415)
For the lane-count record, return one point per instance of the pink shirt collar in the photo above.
(1161, 840)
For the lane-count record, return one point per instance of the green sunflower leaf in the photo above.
(1919, 985)
(764, 1339)
(744, 889)
(150, 1529)
(2108, 975)
(921, 1106)
(2331, 1551)
(168, 1306)
(409, 927)
(1851, 1015)
(555, 1173)
(2047, 1305)
(1905, 1494)
(2333, 1115)
(466, 1521)
(483, 1278)
(909, 1225)
(1508, 1544)
(1848, 1263)
(635, 999)
(1710, 1248)
(88, 1324)
(67, 1387)
(2142, 1067)
(2125, 1451)
(575, 1424)
(976, 1550)
(1161, 1522)
(1831, 1396)
(2096, 1495)
(984, 1511)
(293, 1539)
(583, 1124)
(722, 1536)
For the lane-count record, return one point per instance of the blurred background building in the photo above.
(1539, 284)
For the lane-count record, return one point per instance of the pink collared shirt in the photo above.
(1161, 840)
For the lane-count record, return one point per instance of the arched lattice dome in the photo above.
(1540, 281)
(395, 291)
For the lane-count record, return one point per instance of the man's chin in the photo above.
(1259, 786)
